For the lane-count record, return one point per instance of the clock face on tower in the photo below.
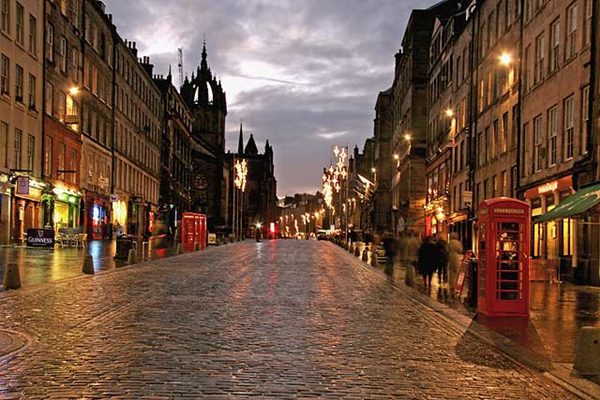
(200, 182)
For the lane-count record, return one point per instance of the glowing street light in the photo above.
(396, 157)
(505, 59)
(74, 91)
(449, 113)
(407, 137)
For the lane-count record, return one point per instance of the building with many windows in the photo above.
(139, 113)
(62, 117)
(21, 80)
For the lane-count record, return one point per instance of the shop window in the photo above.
(72, 116)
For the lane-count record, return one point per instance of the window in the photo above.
(494, 185)
(507, 15)
(63, 7)
(540, 44)
(585, 116)
(504, 183)
(20, 34)
(587, 23)
(528, 76)
(4, 75)
(73, 166)
(62, 105)
(505, 133)
(30, 151)
(571, 49)
(526, 141)
(5, 18)
(61, 157)
(50, 42)
(4, 143)
(19, 83)
(486, 140)
(72, 117)
(32, 35)
(481, 149)
(32, 92)
(49, 101)
(18, 144)
(496, 145)
(48, 157)
(554, 46)
(538, 155)
(553, 136)
(569, 127)
(63, 54)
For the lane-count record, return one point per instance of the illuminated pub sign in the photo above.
(40, 238)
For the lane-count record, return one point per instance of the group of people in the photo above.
(432, 255)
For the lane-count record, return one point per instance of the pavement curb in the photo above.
(560, 374)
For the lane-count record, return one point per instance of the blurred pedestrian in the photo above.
(441, 255)
(427, 261)
(390, 245)
(411, 256)
(455, 249)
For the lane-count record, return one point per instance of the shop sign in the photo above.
(40, 238)
(212, 238)
(114, 198)
(550, 187)
(467, 197)
(22, 185)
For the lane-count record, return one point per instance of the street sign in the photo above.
(212, 238)
(22, 185)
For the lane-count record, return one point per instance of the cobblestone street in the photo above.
(272, 319)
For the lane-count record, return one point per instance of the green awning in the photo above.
(574, 205)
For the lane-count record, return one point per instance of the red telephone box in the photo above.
(504, 237)
(193, 230)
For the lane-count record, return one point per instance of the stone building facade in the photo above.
(62, 142)
(138, 132)
(21, 116)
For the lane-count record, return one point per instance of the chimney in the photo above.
(149, 68)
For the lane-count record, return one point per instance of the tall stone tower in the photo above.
(206, 99)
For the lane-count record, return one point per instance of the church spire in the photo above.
(241, 141)
(204, 63)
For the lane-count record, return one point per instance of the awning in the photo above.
(574, 205)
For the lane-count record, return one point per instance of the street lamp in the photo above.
(505, 59)
(240, 180)
(74, 90)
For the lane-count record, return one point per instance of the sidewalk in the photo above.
(38, 266)
(558, 311)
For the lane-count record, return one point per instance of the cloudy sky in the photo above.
(304, 74)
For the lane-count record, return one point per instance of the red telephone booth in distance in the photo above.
(193, 230)
(504, 237)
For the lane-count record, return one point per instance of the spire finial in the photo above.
(204, 64)
(241, 140)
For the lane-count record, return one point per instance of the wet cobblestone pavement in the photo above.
(272, 319)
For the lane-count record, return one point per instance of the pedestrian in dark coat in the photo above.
(427, 261)
(442, 257)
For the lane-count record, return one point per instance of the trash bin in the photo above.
(124, 244)
(472, 292)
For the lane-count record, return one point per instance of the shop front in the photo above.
(66, 214)
(26, 208)
(577, 220)
(553, 241)
(97, 216)
(436, 218)
(119, 214)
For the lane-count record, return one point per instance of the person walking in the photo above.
(455, 250)
(427, 261)
(411, 256)
(390, 245)
(441, 257)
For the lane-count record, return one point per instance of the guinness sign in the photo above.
(40, 238)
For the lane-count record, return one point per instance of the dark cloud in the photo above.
(303, 74)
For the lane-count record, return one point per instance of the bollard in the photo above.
(374, 261)
(351, 248)
(365, 254)
(356, 251)
(88, 265)
(587, 352)
(178, 248)
(131, 259)
(196, 246)
(12, 277)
